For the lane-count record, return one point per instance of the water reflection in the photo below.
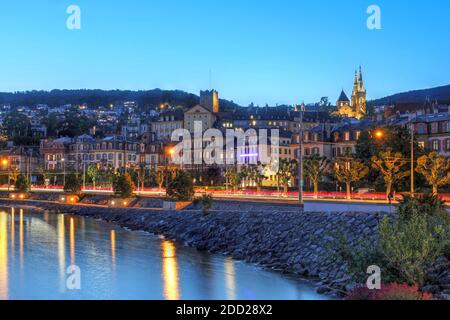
(113, 249)
(230, 279)
(13, 232)
(140, 266)
(21, 238)
(170, 271)
(61, 251)
(3, 256)
(72, 241)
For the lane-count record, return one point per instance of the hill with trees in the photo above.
(149, 98)
(441, 94)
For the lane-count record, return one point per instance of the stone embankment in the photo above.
(279, 237)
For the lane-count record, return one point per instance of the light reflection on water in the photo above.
(120, 264)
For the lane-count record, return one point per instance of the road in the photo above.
(262, 196)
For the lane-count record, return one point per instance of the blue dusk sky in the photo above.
(261, 51)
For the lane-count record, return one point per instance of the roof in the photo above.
(343, 97)
(433, 117)
(353, 125)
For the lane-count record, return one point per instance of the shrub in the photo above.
(22, 184)
(411, 245)
(395, 291)
(428, 204)
(181, 188)
(360, 293)
(207, 202)
(73, 184)
(123, 186)
(358, 258)
(390, 291)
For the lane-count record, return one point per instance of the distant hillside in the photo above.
(441, 94)
(150, 98)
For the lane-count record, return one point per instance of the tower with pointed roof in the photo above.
(356, 108)
(359, 96)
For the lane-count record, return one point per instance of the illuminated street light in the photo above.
(5, 163)
(63, 160)
(379, 134)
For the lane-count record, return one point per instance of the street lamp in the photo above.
(171, 152)
(379, 134)
(64, 171)
(5, 163)
(300, 155)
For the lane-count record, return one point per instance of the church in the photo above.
(356, 108)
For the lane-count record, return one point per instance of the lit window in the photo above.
(436, 145)
(347, 136)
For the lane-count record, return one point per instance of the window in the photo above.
(447, 126)
(436, 145)
(347, 136)
(421, 128)
(447, 144)
(336, 136)
(434, 127)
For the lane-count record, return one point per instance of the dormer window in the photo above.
(336, 136)
(347, 136)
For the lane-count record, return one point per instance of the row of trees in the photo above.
(391, 166)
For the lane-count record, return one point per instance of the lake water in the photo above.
(37, 249)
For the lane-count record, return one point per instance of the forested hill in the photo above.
(441, 94)
(150, 98)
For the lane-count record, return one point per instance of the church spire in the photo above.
(360, 80)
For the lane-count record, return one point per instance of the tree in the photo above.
(255, 173)
(349, 170)
(286, 171)
(435, 169)
(14, 175)
(41, 170)
(22, 184)
(213, 175)
(396, 138)
(234, 178)
(159, 178)
(123, 186)
(16, 124)
(181, 187)
(390, 165)
(93, 173)
(73, 184)
(315, 168)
